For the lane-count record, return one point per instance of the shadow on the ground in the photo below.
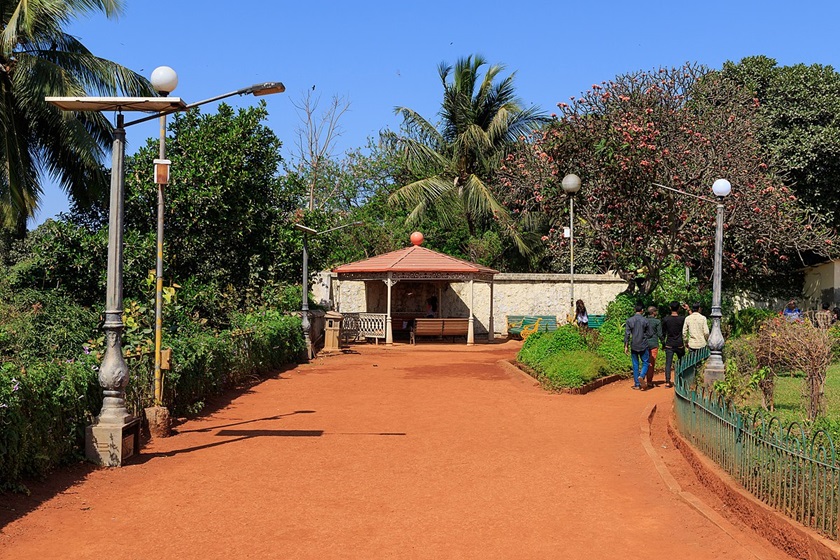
(275, 417)
(15, 505)
(219, 402)
(242, 435)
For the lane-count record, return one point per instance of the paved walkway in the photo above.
(433, 451)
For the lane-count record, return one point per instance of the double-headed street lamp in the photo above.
(571, 185)
(715, 368)
(304, 287)
(114, 436)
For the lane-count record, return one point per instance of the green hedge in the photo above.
(570, 357)
(44, 409)
(45, 405)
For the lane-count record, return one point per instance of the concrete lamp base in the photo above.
(109, 445)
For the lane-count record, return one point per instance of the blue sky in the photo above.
(383, 54)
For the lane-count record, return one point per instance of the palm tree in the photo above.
(39, 59)
(481, 122)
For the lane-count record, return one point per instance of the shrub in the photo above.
(541, 345)
(621, 308)
(205, 364)
(571, 369)
(746, 321)
(611, 349)
(43, 325)
(569, 358)
(782, 345)
(45, 405)
(44, 409)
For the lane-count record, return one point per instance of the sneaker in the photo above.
(668, 384)
(635, 388)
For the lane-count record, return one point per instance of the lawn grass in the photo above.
(790, 404)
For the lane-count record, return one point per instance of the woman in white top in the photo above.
(581, 318)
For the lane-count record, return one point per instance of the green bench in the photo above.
(596, 321)
(525, 325)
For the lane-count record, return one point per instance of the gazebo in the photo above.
(412, 278)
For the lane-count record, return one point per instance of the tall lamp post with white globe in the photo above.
(164, 80)
(571, 185)
(715, 369)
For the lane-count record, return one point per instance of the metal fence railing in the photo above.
(789, 469)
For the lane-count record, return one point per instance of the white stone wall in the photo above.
(513, 294)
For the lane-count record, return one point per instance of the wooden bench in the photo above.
(440, 327)
(526, 325)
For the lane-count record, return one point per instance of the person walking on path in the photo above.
(695, 330)
(672, 329)
(637, 332)
(653, 342)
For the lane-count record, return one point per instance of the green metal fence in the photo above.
(789, 469)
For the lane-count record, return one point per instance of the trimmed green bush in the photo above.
(541, 345)
(611, 348)
(572, 369)
(44, 409)
(570, 357)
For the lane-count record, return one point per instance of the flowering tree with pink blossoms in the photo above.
(682, 128)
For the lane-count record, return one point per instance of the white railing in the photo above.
(363, 325)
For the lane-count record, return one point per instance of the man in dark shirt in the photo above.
(637, 332)
(653, 342)
(672, 327)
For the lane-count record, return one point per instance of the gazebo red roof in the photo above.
(414, 259)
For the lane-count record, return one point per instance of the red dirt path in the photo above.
(431, 451)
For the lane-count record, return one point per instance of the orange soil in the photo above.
(427, 451)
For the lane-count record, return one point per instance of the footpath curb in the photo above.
(721, 522)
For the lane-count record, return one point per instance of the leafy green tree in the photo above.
(452, 165)
(39, 59)
(227, 219)
(801, 136)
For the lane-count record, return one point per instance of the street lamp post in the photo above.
(571, 185)
(164, 80)
(115, 434)
(304, 287)
(715, 369)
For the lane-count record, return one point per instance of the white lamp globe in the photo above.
(164, 79)
(571, 183)
(721, 187)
